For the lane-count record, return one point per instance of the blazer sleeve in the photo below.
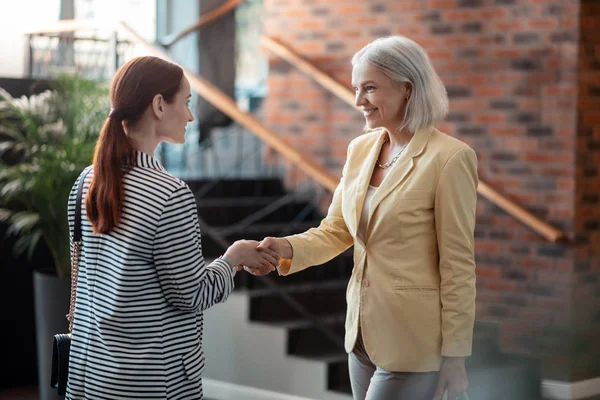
(455, 203)
(186, 281)
(319, 245)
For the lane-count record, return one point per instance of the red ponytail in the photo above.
(133, 88)
(104, 201)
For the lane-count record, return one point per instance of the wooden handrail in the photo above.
(227, 105)
(542, 227)
(309, 69)
(203, 20)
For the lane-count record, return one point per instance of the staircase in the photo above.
(321, 290)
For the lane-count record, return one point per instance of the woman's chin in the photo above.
(370, 125)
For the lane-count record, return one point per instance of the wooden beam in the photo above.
(203, 20)
(277, 48)
(542, 227)
(227, 105)
(514, 209)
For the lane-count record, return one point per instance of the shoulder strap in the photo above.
(77, 221)
(77, 243)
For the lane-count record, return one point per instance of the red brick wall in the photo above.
(512, 73)
(587, 197)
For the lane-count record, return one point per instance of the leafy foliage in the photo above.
(46, 140)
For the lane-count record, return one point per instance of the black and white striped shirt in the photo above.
(141, 292)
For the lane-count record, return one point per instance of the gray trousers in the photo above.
(370, 382)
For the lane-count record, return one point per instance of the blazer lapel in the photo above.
(401, 169)
(364, 177)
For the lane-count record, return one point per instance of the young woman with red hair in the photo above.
(143, 283)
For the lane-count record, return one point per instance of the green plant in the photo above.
(46, 140)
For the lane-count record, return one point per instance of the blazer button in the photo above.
(365, 283)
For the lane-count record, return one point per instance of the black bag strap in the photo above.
(77, 244)
(77, 226)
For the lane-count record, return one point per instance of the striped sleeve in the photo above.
(186, 281)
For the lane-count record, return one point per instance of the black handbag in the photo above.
(61, 344)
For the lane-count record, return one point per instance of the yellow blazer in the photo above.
(412, 290)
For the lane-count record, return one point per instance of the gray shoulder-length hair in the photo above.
(403, 60)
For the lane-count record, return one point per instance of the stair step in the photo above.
(301, 287)
(305, 340)
(236, 201)
(236, 187)
(311, 275)
(260, 289)
(338, 377)
(300, 323)
(267, 229)
(309, 341)
(273, 308)
(338, 269)
(211, 248)
(227, 211)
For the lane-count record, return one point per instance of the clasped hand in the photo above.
(256, 259)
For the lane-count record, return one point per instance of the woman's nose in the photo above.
(359, 100)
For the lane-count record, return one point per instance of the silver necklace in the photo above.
(390, 163)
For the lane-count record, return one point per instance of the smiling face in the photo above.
(382, 101)
(176, 115)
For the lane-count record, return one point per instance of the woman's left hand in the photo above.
(246, 252)
(453, 378)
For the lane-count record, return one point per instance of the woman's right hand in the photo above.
(248, 253)
(279, 245)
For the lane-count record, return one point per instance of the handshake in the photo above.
(258, 258)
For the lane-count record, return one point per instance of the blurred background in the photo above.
(274, 116)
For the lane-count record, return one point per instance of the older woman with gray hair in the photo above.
(406, 201)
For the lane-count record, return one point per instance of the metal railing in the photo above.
(95, 55)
